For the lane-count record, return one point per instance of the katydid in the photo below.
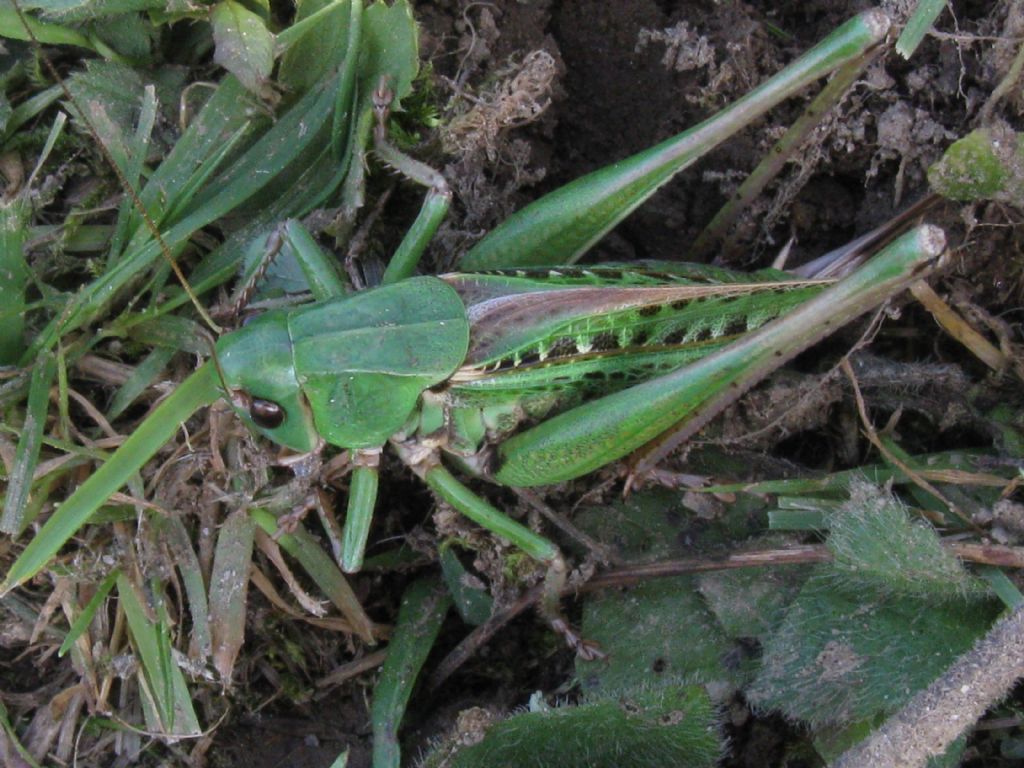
(526, 375)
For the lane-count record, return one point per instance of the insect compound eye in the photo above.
(266, 413)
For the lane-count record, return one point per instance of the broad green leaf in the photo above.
(841, 656)
(244, 45)
(320, 50)
(390, 50)
(876, 544)
(670, 725)
(661, 629)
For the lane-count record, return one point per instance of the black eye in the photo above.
(266, 413)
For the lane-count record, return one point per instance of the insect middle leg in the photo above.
(449, 488)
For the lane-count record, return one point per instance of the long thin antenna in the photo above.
(125, 183)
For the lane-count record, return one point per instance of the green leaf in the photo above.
(669, 725)
(229, 584)
(14, 518)
(390, 49)
(424, 606)
(471, 599)
(162, 679)
(877, 546)
(244, 45)
(14, 221)
(986, 164)
(841, 656)
(83, 619)
(924, 16)
(662, 629)
(321, 48)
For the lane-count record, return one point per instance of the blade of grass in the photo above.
(27, 110)
(1000, 583)
(26, 457)
(12, 741)
(12, 26)
(924, 16)
(197, 390)
(195, 588)
(142, 378)
(14, 275)
(424, 606)
(159, 675)
(136, 149)
(229, 584)
(82, 621)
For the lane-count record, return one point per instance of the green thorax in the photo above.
(349, 370)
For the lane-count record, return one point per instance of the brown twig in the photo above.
(872, 436)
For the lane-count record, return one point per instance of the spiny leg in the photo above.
(601, 431)
(561, 226)
(435, 205)
(318, 269)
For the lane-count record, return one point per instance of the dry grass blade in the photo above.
(229, 584)
(957, 327)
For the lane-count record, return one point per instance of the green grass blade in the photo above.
(162, 678)
(82, 621)
(12, 25)
(14, 274)
(26, 457)
(29, 109)
(133, 168)
(12, 740)
(142, 377)
(195, 587)
(197, 390)
(924, 16)
(1001, 585)
(424, 606)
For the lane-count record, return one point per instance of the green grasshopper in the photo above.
(524, 374)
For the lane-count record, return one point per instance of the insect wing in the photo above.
(363, 360)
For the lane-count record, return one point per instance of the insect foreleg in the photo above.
(362, 496)
(435, 205)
